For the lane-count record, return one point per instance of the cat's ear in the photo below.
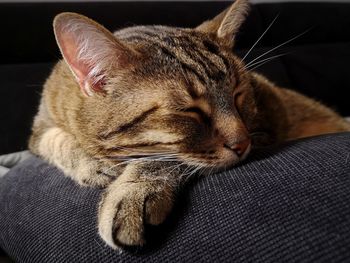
(227, 23)
(90, 50)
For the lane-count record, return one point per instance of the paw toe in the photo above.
(128, 226)
(99, 181)
(157, 209)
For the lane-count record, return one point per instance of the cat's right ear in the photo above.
(90, 50)
(226, 24)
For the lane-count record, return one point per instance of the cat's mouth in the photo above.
(215, 161)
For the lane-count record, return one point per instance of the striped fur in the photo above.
(140, 110)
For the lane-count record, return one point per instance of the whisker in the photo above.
(262, 35)
(143, 157)
(149, 160)
(260, 64)
(280, 45)
(122, 148)
(130, 160)
(186, 174)
(113, 166)
(263, 61)
(195, 171)
(175, 167)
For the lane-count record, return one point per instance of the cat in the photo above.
(138, 111)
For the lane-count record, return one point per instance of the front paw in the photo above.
(127, 206)
(97, 180)
(93, 173)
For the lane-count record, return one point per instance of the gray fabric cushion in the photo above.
(7, 161)
(285, 204)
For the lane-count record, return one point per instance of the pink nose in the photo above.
(240, 147)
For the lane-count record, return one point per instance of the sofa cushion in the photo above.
(286, 203)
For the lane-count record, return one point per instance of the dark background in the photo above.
(317, 63)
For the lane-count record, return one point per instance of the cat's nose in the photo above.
(239, 147)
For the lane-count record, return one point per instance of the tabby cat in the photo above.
(137, 111)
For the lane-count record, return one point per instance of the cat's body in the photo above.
(159, 104)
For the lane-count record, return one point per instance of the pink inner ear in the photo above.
(81, 68)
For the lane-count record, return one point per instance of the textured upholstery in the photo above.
(285, 204)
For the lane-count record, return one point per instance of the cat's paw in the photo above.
(87, 175)
(97, 180)
(127, 206)
(93, 173)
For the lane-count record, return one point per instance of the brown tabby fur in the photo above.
(159, 104)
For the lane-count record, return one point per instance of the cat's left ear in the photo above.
(90, 50)
(226, 24)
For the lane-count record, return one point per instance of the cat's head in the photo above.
(161, 92)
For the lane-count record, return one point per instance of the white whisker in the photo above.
(280, 45)
(126, 149)
(260, 64)
(265, 60)
(262, 35)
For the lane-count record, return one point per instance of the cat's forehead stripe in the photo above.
(202, 57)
(194, 89)
(177, 56)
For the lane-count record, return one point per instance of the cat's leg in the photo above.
(62, 150)
(142, 194)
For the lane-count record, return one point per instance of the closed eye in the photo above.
(194, 109)
(238, 101)
(199, 113)
(238, 97)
